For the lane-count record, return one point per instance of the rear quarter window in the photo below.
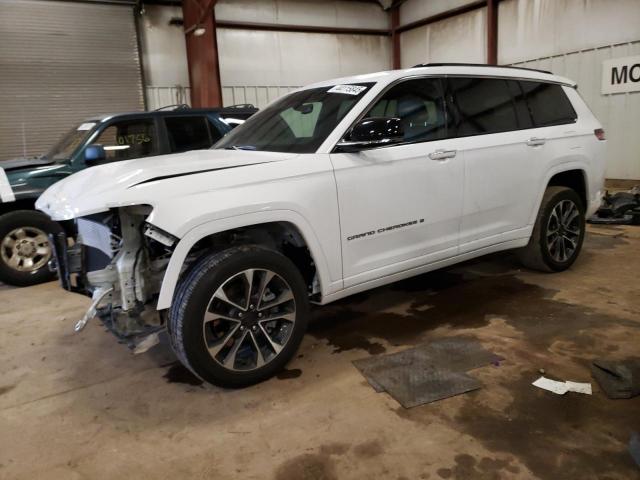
(548, 104)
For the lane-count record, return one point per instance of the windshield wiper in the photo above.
(240, 147)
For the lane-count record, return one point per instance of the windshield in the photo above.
(297, 123)
(65, 147)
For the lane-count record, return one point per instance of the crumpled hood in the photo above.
(26, 163)
(145, 181)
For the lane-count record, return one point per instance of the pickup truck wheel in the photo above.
(239, 316)
(24, 247)
(558, 232)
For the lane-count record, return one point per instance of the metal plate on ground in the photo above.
(429, 372)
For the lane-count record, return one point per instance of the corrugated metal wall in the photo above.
(257, 66)
(59, 63)
(164, 58)
(462, 38)
(572, 38)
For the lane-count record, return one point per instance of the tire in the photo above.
(541, 255)
(217, 286)
(23, 239)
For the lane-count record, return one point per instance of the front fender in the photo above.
(185, 244)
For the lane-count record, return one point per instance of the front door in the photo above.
(400, 206)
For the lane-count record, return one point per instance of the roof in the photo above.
(178, 111)
(450, 69)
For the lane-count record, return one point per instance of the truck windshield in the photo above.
(68, 143)
(297, 123)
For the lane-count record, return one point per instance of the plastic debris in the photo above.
(561, 388)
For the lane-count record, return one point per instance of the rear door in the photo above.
(499, 179)
(400, 205)
(190, 132)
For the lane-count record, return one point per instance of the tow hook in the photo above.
(98, 296)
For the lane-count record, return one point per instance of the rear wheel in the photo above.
(24, 247)
(558, 233)
(239, 316)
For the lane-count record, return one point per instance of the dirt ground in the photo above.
(81, 406)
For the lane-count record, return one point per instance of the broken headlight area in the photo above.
(111, 258)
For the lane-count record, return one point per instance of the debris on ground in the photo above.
(621, 208)
(634, 447)
(619, 379)
(561, 388)
(429, 372)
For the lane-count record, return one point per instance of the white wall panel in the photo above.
(540, 28)
(414, 10)
(618, 113)
(462, 38)
(164, 52)
(332, 13)
(285, 59)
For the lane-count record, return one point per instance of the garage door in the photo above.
(61, 62)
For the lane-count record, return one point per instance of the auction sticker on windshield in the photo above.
(86, 126)
(348, 89)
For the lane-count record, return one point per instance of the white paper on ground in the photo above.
(553, 386)
(578, 387)
(562, 387)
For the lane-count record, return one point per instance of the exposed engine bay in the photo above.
(119, 260)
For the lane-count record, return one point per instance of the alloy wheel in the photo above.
(563, 231)
(249, 319)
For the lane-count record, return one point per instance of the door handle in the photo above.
(535, 141)
(442, 154)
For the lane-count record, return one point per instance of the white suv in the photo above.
(336, 188)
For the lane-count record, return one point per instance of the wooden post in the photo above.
(202, 53)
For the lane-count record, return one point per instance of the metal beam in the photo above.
(301, 28)
(395, 37)
(492, 32)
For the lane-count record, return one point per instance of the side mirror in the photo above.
(371, 133)
(94, 154)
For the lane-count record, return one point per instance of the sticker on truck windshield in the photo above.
(86, 126)
(348, 89)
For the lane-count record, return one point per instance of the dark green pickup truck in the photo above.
(24, 245)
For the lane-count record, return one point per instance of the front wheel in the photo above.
(239, 315)
(558, 232)
(24, 247)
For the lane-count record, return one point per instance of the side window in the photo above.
(548, 104)
(419, 104)
(188, 133)
(129, 139)
(483, 105)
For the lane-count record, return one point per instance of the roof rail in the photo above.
(241, 105)
(478, 65)
(177, 106)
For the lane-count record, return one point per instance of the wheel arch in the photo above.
(572, 175)
(283, 230)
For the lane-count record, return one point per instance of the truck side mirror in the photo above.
(94, 154)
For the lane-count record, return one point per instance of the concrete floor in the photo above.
(82, 406)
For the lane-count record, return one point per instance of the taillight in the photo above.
(599, 132)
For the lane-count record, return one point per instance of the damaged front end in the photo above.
(119, 260)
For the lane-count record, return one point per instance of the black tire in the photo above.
(191, 301)
(29, 219)
(537, 255)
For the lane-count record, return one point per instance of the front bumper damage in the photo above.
(111, 260)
